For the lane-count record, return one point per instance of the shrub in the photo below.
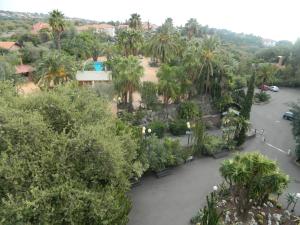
(158, 128)
(163, 154)
(262, 97)
(212, 144)
(178, 127)
(187, 110)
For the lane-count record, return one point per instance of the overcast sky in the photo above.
(273, 19)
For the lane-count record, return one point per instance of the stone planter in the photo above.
(163, 172)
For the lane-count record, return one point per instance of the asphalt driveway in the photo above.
(174, 199)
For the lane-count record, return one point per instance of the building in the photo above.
(25, 70)
(269, 42)
(39, 26)
(99, 28)
(92, 77)
(9, 45)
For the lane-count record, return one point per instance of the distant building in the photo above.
(123, 27)
(9, 45)
(92, 77)
(148, 26)
(39, 26)
(269, 42)
(98, 28)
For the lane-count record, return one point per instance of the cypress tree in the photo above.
(246, 109)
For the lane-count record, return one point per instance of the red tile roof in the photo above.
(23, 69)
(7, 44)
(39, 26)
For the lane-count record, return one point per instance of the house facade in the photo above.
(99, 28)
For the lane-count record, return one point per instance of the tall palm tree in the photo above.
(130, 41)
(57, 24)
(192, 28)
(127, 73)
(209, 59)
(168, 86)
(135, 21)
(55, 68)
(163, 46)
(265, 74)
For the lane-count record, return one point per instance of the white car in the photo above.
(274, 88)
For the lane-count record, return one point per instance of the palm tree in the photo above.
(135, 21)
(209, 59)
(163, 46)
(265, 74)
(126, 73)
(192, 28)
(57, 24)
(55, 68)
(167, 84)
(130, 41)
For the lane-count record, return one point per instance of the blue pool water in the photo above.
(98, 66)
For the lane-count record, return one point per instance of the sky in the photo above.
(274, 19)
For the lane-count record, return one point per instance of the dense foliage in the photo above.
(71, 168)
(252, 177)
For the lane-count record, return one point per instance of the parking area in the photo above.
(174, 199)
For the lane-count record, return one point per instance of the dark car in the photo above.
(288, 115)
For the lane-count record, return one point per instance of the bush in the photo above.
(163, 154)
(262, 97)
(158, 128)
(212, 144)
(178, 127)
(187, 110)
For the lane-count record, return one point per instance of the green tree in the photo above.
(149, 94)
(192, 28)
(265, 74)
(130, 41)
(167, 85)
(252, 177)
(296, 128)
(246, 110)
(127, 73)
(75, 177)
(135, 21)
(57, 23)
(164, 45)
(209, 60)
(55, 68)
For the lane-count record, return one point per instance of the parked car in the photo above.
(274, 88)
(264, 87)
(288, 115)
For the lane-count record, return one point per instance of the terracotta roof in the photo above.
(23, 69)
(7, 44)
(39, 26)
(95, 26)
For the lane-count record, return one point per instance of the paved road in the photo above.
(174, 199)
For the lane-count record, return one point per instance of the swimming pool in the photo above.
(98, 66)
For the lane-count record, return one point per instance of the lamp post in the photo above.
(296, 200)
(188, 132)
(215, 188)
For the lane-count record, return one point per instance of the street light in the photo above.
(188, 132)
(143, 130)
(215, 188)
